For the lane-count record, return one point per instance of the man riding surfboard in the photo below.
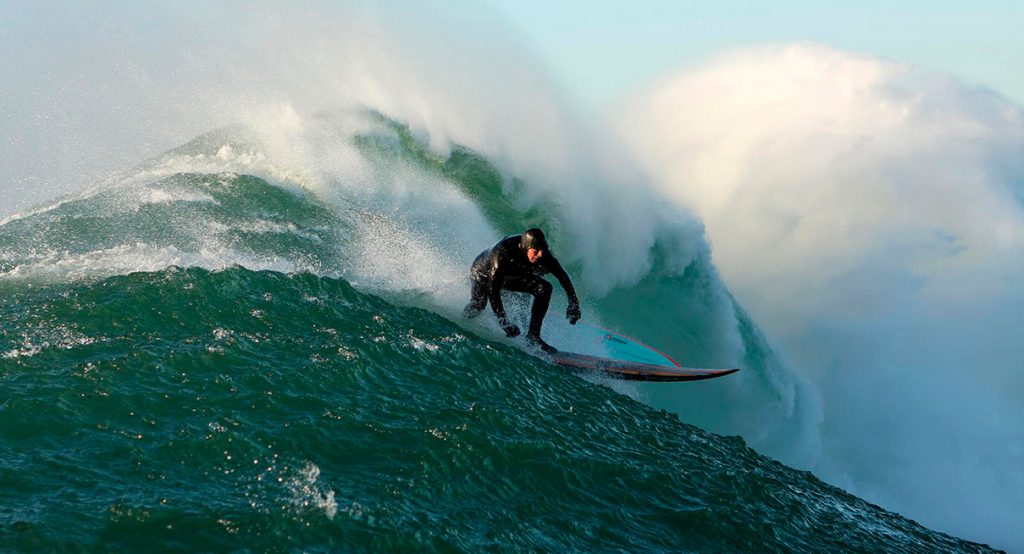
(518, 263)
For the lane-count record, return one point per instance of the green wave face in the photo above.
(183, 219)
(214, 411)
(236, 348)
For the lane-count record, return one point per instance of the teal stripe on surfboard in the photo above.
(617, 356)
(620, 347)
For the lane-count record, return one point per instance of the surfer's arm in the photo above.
(494, 296)
(556, 269)
(572, 313)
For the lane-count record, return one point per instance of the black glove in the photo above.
(573, 312)
(510, 328)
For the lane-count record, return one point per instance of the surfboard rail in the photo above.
(636, 371)
(635, 360)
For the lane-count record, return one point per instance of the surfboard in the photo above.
(625, 358)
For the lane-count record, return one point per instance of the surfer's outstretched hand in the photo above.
(511, 329)
(573, 313)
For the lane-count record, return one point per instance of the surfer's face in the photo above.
(533, 255)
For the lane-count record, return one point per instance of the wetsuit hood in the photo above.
(533, 238)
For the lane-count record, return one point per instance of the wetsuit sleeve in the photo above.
(497, 281)
(556, 269)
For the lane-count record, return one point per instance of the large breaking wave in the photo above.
(375, 153)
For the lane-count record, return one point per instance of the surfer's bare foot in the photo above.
(537, 342)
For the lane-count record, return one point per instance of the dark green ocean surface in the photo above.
(257, 411)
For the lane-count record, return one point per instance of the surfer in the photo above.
(518, 263)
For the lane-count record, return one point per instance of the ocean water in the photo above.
(233, 255)
(192, 410)
(213, 351)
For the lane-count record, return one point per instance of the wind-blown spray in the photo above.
(870, 217)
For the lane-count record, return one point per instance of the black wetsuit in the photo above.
(505, 266)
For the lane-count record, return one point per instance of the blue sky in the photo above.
(601, 49)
